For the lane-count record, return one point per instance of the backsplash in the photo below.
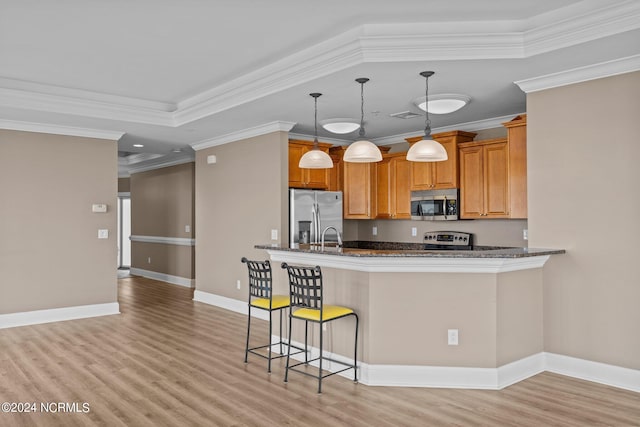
(487, 232)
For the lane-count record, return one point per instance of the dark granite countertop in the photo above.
(399, 249)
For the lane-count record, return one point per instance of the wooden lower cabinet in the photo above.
(484, 179)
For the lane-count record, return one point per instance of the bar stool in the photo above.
(261, 297)
(305, 290)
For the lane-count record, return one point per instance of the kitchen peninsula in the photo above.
(410, 299)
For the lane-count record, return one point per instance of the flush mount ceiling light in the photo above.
(315, 158)
(138, 145)
(443, 103)
(341, 125)
(362, 151)
(427, 150)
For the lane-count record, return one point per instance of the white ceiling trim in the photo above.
(244, 134)
(173, 161)
(69, 104)
(582, 27)
(581, 74)
(368, 43)
(60, 130)
(334, 141)
(467, 127)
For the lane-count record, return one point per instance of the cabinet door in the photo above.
(296, 175)
(496, 199)
(422, 176)
(471, 183)
(305, 178)
(445, 174)
(383, 189)
(357, 190)
(400, 169)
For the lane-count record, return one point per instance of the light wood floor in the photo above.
(169, 361)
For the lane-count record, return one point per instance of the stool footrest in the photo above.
(251, 350)
(348, 366)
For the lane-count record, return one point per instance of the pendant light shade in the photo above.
(315, 158)
(362, 151)
(427, 150)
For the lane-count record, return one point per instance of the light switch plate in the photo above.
(103, 234)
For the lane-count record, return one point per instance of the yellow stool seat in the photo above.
(329, 312)
(278, 301)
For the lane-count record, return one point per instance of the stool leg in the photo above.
(355, 353)
(270, 328)
(320, 366)
(246, 349)
(280, 331)
(306, 333)
(286, 371)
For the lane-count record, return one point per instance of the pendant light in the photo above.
(315, 158)
(362, 151)
(427, 150)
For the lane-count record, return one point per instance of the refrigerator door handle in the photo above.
(314, 237)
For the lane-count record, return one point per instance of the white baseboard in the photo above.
(602, 373)
(456, 377)
(12, 320)
(229, 304)
(175, 280)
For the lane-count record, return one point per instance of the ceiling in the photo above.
(178, 74)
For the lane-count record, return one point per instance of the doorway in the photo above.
(124, 232)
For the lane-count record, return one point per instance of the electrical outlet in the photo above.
(274, 234)
(187, 229)
(324, 327)
(149, 260)
(374, 231)
(238, 284)
(414, 231)
(452, 337)
(525, 234)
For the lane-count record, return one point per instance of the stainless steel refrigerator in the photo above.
(310, 212)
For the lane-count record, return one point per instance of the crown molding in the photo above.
(159, 164)
(494, 122)
(70, 102)
(60, 130)
(581, 74)
(243, 134)
(334, 141)
(571, 25)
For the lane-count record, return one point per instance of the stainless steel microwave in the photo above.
(434, 205)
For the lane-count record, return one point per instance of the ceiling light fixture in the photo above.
(341, 125)
(138, 145)
(427, 150)
(362, 151)
(315, 158)
(443, 103)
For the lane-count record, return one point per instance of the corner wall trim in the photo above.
(174, 280)
(36, 317)
(602, 373)
(228, 304)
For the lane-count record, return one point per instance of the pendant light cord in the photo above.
(427, 121)
(361, 133)
(315, 119)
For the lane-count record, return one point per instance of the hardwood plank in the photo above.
(167, 360)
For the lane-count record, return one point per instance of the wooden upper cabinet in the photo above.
(484, 179)
(517, 137)
(306, 178)
(383, 189)
(439, 175)
(359, 197)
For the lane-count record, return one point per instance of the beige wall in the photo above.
(239, 200)
(583, 177)
(50, 254)
(162, 204)
(124, 185)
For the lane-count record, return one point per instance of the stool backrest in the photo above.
(259, 278)
(305, 286)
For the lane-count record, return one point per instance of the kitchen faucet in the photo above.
(337, 232)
